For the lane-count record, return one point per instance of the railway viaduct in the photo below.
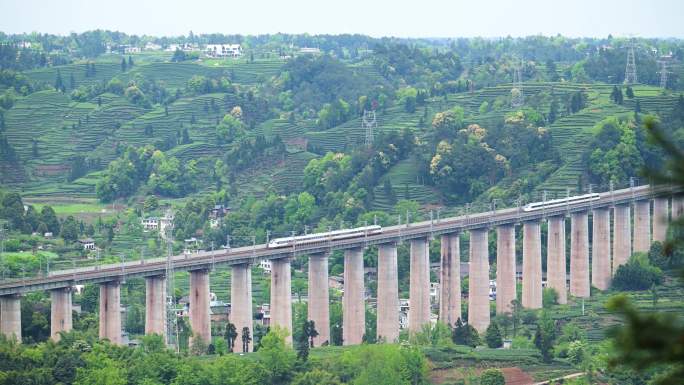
(623, 221)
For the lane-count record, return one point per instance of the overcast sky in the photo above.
(402, 18)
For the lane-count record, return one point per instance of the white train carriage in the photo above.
(328, 236)
(561, 202)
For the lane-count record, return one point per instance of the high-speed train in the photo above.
(318, 237)
(561, 202)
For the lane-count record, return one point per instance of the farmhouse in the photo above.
(223, 50)
(150, 223)
(88, 243)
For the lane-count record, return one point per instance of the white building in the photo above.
(88, 243)
(150, 224)
(150, 46)
(223, 50)
(309, 50)
(434, 292)
(404, 306)
(187, 47)
(130, 50)
(166, 223)
(265, 265)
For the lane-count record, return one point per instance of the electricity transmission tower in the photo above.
(630, 69)
(663, 73)
(369, 123)
(517, 98)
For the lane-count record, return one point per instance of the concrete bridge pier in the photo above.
(579, 255)
(505, 268)
(556, 271)
(622, 235)
(677, 206)
(642, 226)
(419, 291)
(532, 266)
(600, 253)
(110, 312)
(199, 306)
(60, 312)
(319, 308)
(478, 281)
(353, 305)
(660, 218)
(281, 296)
(155, 304)
(10, 316)
(241, 302)
(388, 293)
(450, 279)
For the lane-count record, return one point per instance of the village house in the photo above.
(219, 311)
(87, 243)
(150, 224)
(150, 46)
(265, 265)
(216, 215)
(223, 50)
(309, 50)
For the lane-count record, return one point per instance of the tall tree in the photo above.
(246, 339)
(230, 336)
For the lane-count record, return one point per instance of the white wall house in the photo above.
(223, 50)
(265, 264)
(150, 223)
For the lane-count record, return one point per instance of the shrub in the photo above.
(549, 297)
(656, 256)
(637, 274)
(493, 336)
(492, 377)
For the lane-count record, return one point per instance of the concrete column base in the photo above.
(319, 301)
(10, 316)
(241, 303)
(199, 306)
(419, 290)
(155, 305)
(642, 226)
(281, 296)
(505, 268)
(661, 208)
(532, 267)
(622, 235)
(579, 255)
(110, 312)
(60, 312)
(677, 206)
(600, 253)
(450, 279)
(353, 307)
(388, 294)
(556, 270)
(478, 280)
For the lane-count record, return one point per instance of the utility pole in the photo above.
(630, 69)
